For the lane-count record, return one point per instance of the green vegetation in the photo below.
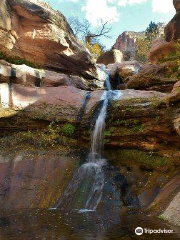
(144, 43)
(172, 56)
(68, 130)
(51, 136)
(16, 60)
(107, 133)
(162, 217)
(158, 118)
(139, 128)
(96, 48)
(148, 159)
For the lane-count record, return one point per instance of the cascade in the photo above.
(84, 192)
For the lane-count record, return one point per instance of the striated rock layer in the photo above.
(41, 124)
(33, 77)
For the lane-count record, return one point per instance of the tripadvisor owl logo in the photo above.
(139, 231)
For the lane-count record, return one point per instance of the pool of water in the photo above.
(53, 224)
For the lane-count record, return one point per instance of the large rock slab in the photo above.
(33, 31)
(166, 204)
(160, 50)
(172, 213)
(32, 77)
(109, 57)
(124, 69)
(34, 179)
(161, 77)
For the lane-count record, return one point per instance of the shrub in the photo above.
(68, 130)
(16, 60)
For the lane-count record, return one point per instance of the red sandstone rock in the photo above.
(34, 31)
(160, 49)
(154, 77)
(172, 30)
(109, 57)
(176, 4)
(27, 76)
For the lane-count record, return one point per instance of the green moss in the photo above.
(148, 159)
(107, 133)
(158, 119)
(139, 128)
(175, 68)
(48, 137)
(178, 75)
(7, 112)
(106, 141)
(112, 129)
(162, 218)
(16, 60)
(128, 108)
(68, 129)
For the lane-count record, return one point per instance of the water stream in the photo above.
(84, 192)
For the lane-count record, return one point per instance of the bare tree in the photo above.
(84, 31)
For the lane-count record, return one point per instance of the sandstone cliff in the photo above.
(32, 31)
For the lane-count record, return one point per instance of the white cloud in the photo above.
(162, 6)
(129, 2)
(103, 11)
(108, 10)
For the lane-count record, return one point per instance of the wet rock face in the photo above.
(34, 179)
(34, 31)
(142, 122)
(155, 191)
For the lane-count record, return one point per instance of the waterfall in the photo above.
(84, 192)
(98, 135)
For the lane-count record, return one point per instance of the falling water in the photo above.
(84, 192)
(98, 135)
(105, 77)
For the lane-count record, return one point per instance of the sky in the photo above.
(123, 15)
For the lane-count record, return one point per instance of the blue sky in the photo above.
(124, 15)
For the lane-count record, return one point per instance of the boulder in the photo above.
(161, 50)
(161, 77)
(119, 72)
(176, 4)
(128, 68)
(109, 57)
(32, 31)
(174, 97)
(172, 30)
